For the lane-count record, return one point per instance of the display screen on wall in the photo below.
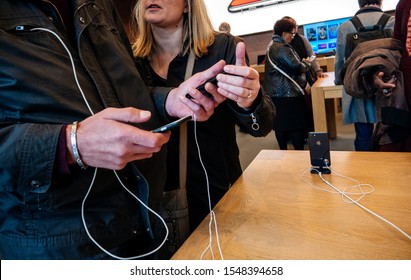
(255, 16)
(323, 35)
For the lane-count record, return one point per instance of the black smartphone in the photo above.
(202, 89)
(171, 125)
(319, 146)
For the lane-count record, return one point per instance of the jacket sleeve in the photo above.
(159, 96)
(290, 62)
(258, 121)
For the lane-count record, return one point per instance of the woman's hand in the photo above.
(200, 105)
(240, 82)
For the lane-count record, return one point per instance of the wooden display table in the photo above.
(270, 213)
(327, 62)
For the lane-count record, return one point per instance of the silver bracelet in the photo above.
(73, 138)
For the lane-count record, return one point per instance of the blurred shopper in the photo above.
(358, 111)
(284, 81)
(226, 28)
(304, 50)
(402, 32)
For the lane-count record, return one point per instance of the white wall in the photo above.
(304, 11)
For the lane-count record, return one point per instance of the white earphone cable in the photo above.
(212, 214)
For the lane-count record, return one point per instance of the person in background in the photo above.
(167, 33)
(402, 32)
(284, 81)
(304, 50)
(226, 28)
(359, 111)
(75, 131)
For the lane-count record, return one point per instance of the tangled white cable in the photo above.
(346, 195)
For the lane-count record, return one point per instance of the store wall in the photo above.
(256, 44)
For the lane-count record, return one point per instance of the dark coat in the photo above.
(40, 214)
(284, 57)
(381, 55)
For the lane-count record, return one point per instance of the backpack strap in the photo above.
(356, 22)
(383, 20)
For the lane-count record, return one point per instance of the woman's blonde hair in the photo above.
(198, 32)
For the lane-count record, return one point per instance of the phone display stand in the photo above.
(320, 169)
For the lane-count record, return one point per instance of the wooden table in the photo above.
(327, 62)
(270, 213)
(323, 95)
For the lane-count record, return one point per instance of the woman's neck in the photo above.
(168, 44)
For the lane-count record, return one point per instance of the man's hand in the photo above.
(107, 140)
(385, 87)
